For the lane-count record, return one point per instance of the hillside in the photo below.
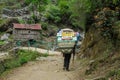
(51, 15)
(100, 20)
(102, 43)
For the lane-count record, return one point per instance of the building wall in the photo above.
(26, 34)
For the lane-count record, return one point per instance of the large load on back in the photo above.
(66, 39)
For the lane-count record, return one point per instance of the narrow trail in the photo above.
(42, 51)
(45, 68)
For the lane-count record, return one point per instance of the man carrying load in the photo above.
(66, 41)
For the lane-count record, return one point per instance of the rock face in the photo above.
(24, 14)
(102, 43)
(103, 34)
(15, 13)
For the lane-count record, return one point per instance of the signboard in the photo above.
(67, 34)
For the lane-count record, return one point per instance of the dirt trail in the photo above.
(42, 51)
(49, 68)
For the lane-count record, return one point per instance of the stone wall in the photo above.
(7, 46)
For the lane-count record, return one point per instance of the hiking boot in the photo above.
(67, 70)
(64, 68)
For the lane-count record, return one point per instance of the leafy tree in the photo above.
(59, 13)
(38, 4)
(70, 12)
(53, 13)
(79, 9)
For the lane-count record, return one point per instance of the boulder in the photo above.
(5, 36)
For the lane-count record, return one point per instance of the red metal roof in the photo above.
(27, 26)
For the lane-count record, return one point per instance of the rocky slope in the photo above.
(102, 44)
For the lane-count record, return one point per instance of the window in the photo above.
(29, 31)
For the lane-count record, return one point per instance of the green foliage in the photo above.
(97, 4)
(116, 31)
(2, 69)
(21, 21)
(59, 13)
(79, 10)
(68, 12)
(21, 58)
(114, 74)
(2, 42)
(37, 1)
(93, 66)
(44, 55)
(11, 63)
(53, 13)
(25, 56)
(44, 25)
(2, 5)
(64, 6)
(2, 21)
(38, 4)
(65, 11)
(29, 20)
(81, 7)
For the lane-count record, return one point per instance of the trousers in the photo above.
(67, 58)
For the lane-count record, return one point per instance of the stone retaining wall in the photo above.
(7, 46)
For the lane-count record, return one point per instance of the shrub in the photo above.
(44, 55)
(45, 25)
(53, 13)
(2, 42)
(23, 56)
(115, 74)
(11, 63)
(2, 69)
